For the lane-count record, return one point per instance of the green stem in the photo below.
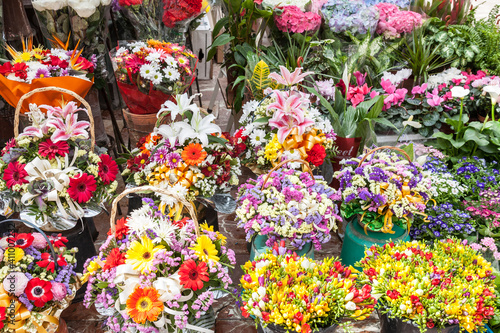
(493, 111)
(400, 134)
(460, 118)
(482, 128)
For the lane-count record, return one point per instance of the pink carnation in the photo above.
(15, 283)
(39, 241)
(58, 291)
(296, 21)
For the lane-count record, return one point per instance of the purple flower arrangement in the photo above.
(477, 174)
(291, 206)
(385, 190)
(443, 221)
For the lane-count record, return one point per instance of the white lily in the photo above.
(199, 128)
(493, 91)
(182, 104)
(170, 132)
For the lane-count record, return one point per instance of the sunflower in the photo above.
(205, 249)
(193, 154)
(141, 254)
(143, 304)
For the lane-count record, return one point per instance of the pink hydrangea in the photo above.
(39, 241)
(296, 21)
(15, 282)
(393, 22)
(58, 291)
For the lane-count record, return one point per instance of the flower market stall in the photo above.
(267, 166)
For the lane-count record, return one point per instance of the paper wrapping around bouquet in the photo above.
(141, 103)
(12, 91)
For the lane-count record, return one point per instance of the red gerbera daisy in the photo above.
(115, 258)
(50, 149)
(108, 169)
(192, 275)
(48, 263)
(58, 241)
(2, 317)
(15, 174)
(38, 291)
(21, 240)
(82, 187)
(121, 228)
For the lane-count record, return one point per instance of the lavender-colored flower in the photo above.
(42, 73)
(173, 160)
(161, 156)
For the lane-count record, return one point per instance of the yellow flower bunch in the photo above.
(447, 283)
(300, 294)
(272, 149)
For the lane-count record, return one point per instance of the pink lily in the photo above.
(69, 128)
(288, 105)
(289, 79)
(33, 131)
(285, 124)
(68, 109)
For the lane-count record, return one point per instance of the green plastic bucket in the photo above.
(259, 246)
(355, 241)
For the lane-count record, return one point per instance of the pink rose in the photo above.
(58, 291)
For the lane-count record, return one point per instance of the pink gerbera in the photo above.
(15, 174)
(50, 149)
(82, 187)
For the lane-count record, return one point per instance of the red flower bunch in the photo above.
(192, 275)
(58, 240)
(15, 174)
(238, 142)
(129, 2)
(121, 228)
(21, 240)
(108, 169)
(357, 94)
(316, 155)
(138, 163)
(115, 258)
(10, 144)
(180, 10)
(82, 187)
(39, 291)
(50, 149)
(48, 263)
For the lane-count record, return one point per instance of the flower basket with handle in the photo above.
(156, 256)
(51, 171)
(288, 209)
(40, 282)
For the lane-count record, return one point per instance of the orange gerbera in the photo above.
(143, 304)
(193, 154)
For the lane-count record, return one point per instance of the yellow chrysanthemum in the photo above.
(141, 254)
(272, 149)
(91, 268)
(13, 255)
(205, 249)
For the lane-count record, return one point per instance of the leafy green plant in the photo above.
(450, 11)
(420, 55)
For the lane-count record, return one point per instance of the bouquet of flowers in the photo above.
(477, 175)
(443, 221)
(156, 272)
(191, 157)
(446, 283)
(384, 189)
(325, 293)
(288, 205)
(150, 73)
(285, 125)
(50, 173)
(37, 68)
(34, 288)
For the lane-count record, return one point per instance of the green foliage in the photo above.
(450, 11)
(259, 80)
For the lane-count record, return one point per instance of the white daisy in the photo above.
(139, 222)
(121, 51)
(137, 46)
(257, 137)
(292, 155)
(148, 71)
(170, 61)
(60, 53)
(171, 74)
(248, 109)
(157, 78)
(165, 231)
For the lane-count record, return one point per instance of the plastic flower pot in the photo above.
(397, 325)
(355, 241)
(258, 247)
(271, 328)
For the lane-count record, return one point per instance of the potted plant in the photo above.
(39, 281)
(288, 205)
(157, 271)
(285, 124)
(381, 192)
(430, 288)
(284, 292)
